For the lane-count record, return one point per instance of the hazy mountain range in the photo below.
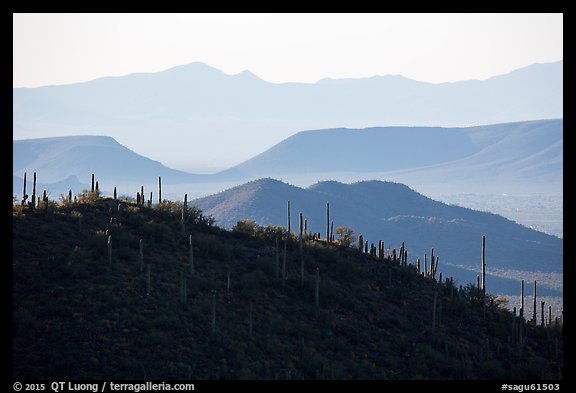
(495, 158)
(196, 117)
(520, 154)
(59, 158)
(394, 213)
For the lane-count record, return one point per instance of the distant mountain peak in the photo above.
(194, 66)
(57, 158)
(247, 74)
(267, 181)
(202, 69)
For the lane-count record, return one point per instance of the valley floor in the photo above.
(542, 212)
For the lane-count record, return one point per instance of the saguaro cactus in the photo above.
(45, 199)
(327, 222)
(522, 299)
(184, 208)
(360, 243)
(159, 190)
(24, 196)
(92, 183)
(542, 302)
(332, 232)
(34, 192)
(301, 232)
(142, 195)
(70, 196)
(115, 193)
(483, 265)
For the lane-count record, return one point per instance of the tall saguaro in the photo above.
(483, 265)
(24, 196)
(522, 299)
(332, 231)
(34, 191)
(301, 232)
(327, 222)
(159, 190)
(184, 207)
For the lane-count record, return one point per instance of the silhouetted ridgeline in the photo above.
(107, 288)
(394, 213)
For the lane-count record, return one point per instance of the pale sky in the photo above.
(53, 49)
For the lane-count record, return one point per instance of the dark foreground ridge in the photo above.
(110, 289)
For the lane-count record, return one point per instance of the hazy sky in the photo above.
(66, 48)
